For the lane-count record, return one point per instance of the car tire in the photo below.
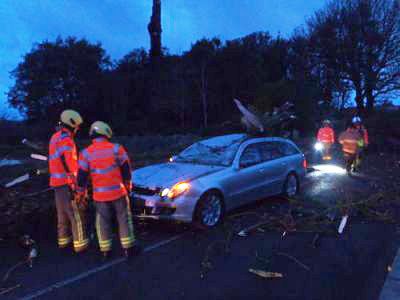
(209, 211)
(291, 187)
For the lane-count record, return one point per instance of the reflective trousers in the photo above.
(326, 151)
(350, 160)
(70, 220)
(104, 213)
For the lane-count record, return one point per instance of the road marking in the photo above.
(90, 272)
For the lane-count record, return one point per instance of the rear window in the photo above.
(287, 149)
(270, 151)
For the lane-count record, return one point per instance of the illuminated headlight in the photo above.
(165, 192)
(177, 190)
(318, 146)
(330, 169)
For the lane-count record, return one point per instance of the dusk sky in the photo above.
(121, 25)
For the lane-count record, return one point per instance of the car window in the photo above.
(287, 149)
(270, 151)
(218, 151)
(251, 156)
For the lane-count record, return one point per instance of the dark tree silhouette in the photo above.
(348, 46)
(357, 42)
(155, 30)
(58, 75)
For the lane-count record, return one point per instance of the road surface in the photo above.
(180, 263)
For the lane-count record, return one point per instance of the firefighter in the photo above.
(351, 141)
(364, 134)
(108, 167)
(326, 136)
(63, 169)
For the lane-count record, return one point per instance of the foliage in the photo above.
(348, 47)
(354, 44)
(57, 75)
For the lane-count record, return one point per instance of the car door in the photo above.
(293, 157)
(245, 183)
(273, 168)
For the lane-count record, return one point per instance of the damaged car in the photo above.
(215, 175)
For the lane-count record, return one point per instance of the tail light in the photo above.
(304, 163)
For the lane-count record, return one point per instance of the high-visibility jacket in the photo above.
(351, 140)
(62, 144)
(326, 135)
(364, 134)
(103, 161)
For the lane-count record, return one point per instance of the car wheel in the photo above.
(291, 186)
(209, 211)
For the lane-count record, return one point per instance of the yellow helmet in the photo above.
(71, 118)
(101, 128)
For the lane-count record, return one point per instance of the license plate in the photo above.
(150, 203)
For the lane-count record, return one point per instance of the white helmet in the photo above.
(356, 120)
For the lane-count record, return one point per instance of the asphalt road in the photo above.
(180, 263)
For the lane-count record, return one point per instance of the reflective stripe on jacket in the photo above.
(102, 160)
(350, 140)
(364, 134)
(62, 144)
(326, 135)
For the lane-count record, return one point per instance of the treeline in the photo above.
(348, 51)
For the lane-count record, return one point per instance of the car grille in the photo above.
(145, 210)
(145, 191)
(153, 211)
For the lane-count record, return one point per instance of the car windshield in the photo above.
(215, 151)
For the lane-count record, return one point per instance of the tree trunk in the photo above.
(370, 101)
(155, 30)
(359, 101)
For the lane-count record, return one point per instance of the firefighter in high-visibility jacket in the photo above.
(108, 167)
(63, 169)
(326, 136)
(364, 134)
(351, 141)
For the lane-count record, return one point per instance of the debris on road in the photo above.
(315, 241)
(294, 259)
(25, 177)
(265, 274)
(39, 157)
(242, 233)
(9, 162)
(4, 291)
(30, 245)
(343, 223)
(32, 145)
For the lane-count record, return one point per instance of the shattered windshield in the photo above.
(215, 151)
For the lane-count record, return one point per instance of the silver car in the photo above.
(216, 175)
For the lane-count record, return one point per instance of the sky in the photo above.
(121, 25)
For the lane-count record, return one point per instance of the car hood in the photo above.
(168, 174)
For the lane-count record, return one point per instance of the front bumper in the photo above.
(157, 208)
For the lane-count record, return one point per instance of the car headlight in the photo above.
(319, 146)
(177, 190)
